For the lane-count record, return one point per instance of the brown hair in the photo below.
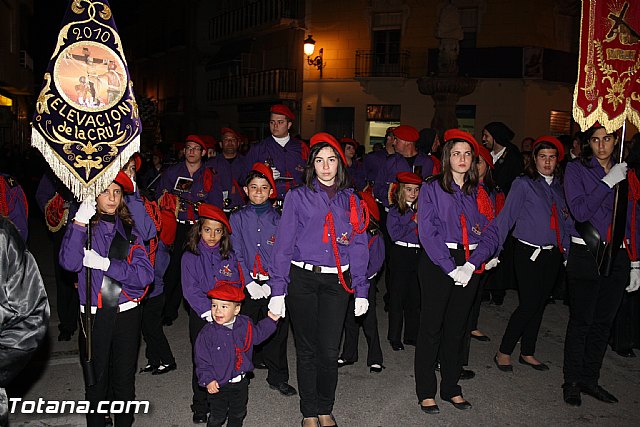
(532, 172)
(446, 177)
(342, 178)
(399, 199)
(193, 238)
(122, 212)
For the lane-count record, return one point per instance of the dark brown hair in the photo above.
(122, 212)
(586, 153)
(532, 172)
(193, 238)
(342, 179)
(446, 177)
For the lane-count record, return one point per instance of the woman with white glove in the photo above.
(118, 282)
(319, 259)
(593, 297)
(449, 226)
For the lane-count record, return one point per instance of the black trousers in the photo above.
(273, 351)
(172, 277)
(404, 293)
(317, 304)
(199, 402)
(68, 305)
(474, 315)
(115, 359)
(443, 327)
(229, 403)
(593, 303)
(158, 350)
(625, 333)
(536, 280)
(369, 323)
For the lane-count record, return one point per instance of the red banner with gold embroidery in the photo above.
(608, 86)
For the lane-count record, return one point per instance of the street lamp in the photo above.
(309, 47)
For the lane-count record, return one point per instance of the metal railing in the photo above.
(389, 64)
(252, 85)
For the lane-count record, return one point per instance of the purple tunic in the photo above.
(16, 205)
(215, 349)
(439, 222)
(47, 189)
(197, 192)
(134, 275)
(528, 207)
(376, 254)
(201, 272)
(373, 163)
(402, 227)
(397, 163)
(162, 263)
(144, 223)
(253, 235)
(288, 160)
(357, 174)
(232, 175)
(300, 237)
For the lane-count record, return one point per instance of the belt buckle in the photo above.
(316, 269)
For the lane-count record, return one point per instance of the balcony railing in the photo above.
(254, 85)
(252, 15)
(372, 64)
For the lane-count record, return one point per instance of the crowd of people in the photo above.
(296, 233)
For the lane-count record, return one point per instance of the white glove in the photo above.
(93, 259)
(255, 290)
(565, 262)
(617, 173)
(634, 277)
(135, 185)
(86, 211)
(266, 289)
(207, 316)
(452, 274)
(362, 305)
(463, 274)
(492, 264)
(276, 173)
(276, 305)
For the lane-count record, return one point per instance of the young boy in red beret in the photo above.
(223, 351)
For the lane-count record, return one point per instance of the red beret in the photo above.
(229, 130)
(137, 158)
(460, 135)
(206, 210)
(551, 140)
(209, 141)
(345, 140)
(198, 140)
(329, 139)
(284, 110)
(179, 145)
(486, 155)
(406, 133)
(408, 178)
(268, 173)
(226, 292)
(371, 204)
(169, 227)
(124, 181)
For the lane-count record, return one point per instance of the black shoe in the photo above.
(148, 368)
(396, 346)
(410, 342)
(163, 369)
(199, 417)
(430, 409)
(538, 367)
(482, 338)
(64, 336)
(497, 300)
(571, 394)
(376, 368)
(260, 365)
(284, 389)
(168, 321)
(626, 353)
(599, 393)
(342, 363)
(503, 368)
(462, 405)
(551, 300)
(467, 374)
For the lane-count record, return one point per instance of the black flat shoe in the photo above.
(397, 346)
(260, 365)
(467, 374)
(537, 367)
(342, 363)
(462, 405)
(410, 342)
(571, 394)
(482, 338)
(503, 368)
(64, 336)
(284, 389)
(430, 409)
(163, 369)
(626, 353)
(148, 368)
(376, 368)
(599, 393)
(199, 417)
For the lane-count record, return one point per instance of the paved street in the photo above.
(524, 397)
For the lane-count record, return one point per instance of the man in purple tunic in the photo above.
(230, 168)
